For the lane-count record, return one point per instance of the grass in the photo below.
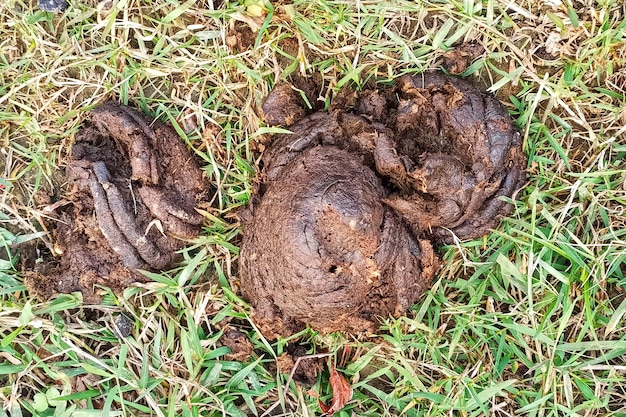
(529, 320)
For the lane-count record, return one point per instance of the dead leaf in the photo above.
(342, 393)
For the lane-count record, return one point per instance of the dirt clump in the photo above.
(351, 203)
(133, 188)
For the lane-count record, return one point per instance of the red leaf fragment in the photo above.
(342, 393)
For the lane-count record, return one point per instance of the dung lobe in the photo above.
(351, 203)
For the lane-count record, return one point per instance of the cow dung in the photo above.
(133, 189)
(350, 206)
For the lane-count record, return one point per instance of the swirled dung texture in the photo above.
(133, 192)
(342, 226)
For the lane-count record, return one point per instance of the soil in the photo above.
(133, 189)
(303, 368)
(351, 203)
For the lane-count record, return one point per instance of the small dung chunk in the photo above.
(123, 326)
(133, 190)
(282, 107)
(352, 202)
(240, 346)
(457, 60)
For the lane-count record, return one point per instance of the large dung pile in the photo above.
(133, 190)
(350, 204)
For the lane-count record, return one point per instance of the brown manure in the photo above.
(132, 197)
(342, 226)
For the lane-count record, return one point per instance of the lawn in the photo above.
(529, 320)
